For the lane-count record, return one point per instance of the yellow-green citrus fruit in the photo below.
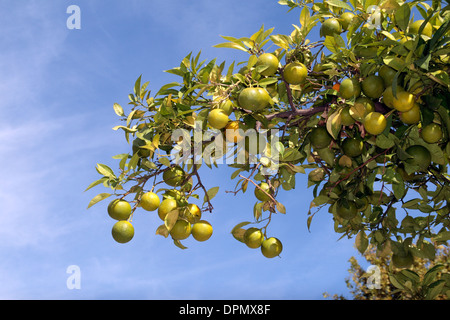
(346, 117)
(330, 27)
(352, 147)
(269, 62)
(174, 176)
(180, 230)
(150, 201)
(166, 206)
(375, 123)
(254, 99)
(403, 260)
(232, 132)
(271, 247)
(373, 86)
(404, 101)
(362, 107)
(350, 88)
(346, 209)
(202, 230)
(412, 116)
(320, 138)
(295, 73)
(431, 133)
(415, 26)
(253, 237)
(119, 209)
(227, 106)
(346, 19)
(218, 119)
(421, 157)
(193, 213)
(387, 73)
(388, 96)
(122, 231)
(260, 194)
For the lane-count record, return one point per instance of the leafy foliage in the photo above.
(378, 189)
(425, 280)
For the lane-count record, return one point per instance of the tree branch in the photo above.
(297, 113)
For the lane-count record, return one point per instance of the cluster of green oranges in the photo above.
(255, 98)
(270, 247)
(378, 88)
(188, 216)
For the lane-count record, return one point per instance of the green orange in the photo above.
(254, 99)
(119, 209)
(181, 230)
(320, 138)
(431, 133)
(268, 63)
(295, 73)
(150, 201)
(202, 230)
(122, 231)
(375, 123)
(271, 247)
(350, 88)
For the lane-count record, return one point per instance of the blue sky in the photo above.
(57, 90)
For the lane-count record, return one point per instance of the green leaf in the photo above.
(402, 15)
(162, 231)
(320, 200)
(126, 129)
(95, 183)
(238, 231)
(164, 161)
(434, 289)
(399, 188)
(231, 45)
(395, 282)
(385, 142)
(167, 86)
(211, 193)
(412, 204)
(118, 110)
(137, 86)
(267, 81)
(431, 274)
(98, 198)
(281, 208)
(305, 16)
(133, 161)
(443, 29)
(179, 244)
(176, 71)
(334, 124)
(330, 44)
(104, 170)
(361, 241)
(394, 62)
(170, 219)
(339, 4)
(442, 236)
